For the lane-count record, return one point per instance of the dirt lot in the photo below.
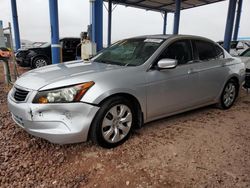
(207, 147)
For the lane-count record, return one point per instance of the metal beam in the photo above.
(165, 23)
(161, 8)
(229, 24)
(15, 24)
(170, 4)
(136, 5)
(237, 22)
(97, 23)
(55, 45)
(109, 21)
(177, 16)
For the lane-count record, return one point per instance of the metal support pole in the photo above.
(2, 59)
(2, 39)
(15, 24)
(165, 23)
(92, 20)
(229, 24)
(237, 22)
(177, 16)
(55, 45)
(97, 23)
(13, 54)
(109, 21)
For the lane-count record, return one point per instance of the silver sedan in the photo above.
(134, 81)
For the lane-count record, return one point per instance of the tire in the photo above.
(113, 122)
(39, 62)
(229, 94)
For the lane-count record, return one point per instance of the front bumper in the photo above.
(23, 62)
(247, 79)
(58, 123)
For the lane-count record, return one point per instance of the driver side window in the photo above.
(179, 50)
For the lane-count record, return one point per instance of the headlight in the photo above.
(63, 95)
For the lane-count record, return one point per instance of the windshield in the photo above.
(130, 52)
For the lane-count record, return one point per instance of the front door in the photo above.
(172, 90)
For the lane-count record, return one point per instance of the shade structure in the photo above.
(163, 5)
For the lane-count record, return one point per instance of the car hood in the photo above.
(63, 74)
(26, 49)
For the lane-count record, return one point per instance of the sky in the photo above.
(208, 21)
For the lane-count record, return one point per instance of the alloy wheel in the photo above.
(229, 94)
(40, 63)
(117, 123)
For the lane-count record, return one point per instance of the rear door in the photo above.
(212, 70)
(172, 90)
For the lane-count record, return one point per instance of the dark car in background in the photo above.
(41, 56)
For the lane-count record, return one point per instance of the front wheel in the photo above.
(39, 62)
(113, 122)
(229, 95)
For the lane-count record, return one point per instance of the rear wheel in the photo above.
(39, 62)
(113, 122)
(229, 94)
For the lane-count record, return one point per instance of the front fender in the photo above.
(96, 97)
(108, 93)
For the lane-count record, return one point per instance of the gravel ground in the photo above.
(207, 147)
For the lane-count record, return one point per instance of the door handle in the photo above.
(193, 61)
(192, 71)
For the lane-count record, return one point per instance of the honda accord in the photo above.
(132, 82)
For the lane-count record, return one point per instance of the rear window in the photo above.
(206, 50)
(219, 52)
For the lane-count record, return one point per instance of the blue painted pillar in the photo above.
(177, 16)
(109, 21)
(237, 22)
(97, 23)
(165, 23)
(15, 24)
(229, 24)
(92, 20)
(55, 45)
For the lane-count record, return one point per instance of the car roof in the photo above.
(174, 37)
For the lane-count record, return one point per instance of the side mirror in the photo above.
(167, 63)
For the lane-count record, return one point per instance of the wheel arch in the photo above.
(130, 97)
(234, 77)
(133, 100)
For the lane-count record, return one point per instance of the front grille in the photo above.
(20, 95)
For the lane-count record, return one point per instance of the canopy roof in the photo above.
(163, 5)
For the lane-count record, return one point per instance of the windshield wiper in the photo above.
(129, 64)
(110, 62)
